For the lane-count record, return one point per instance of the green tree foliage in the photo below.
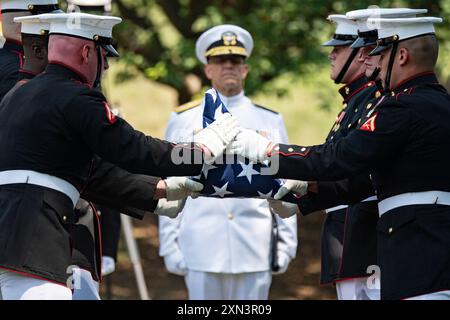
(158, 37)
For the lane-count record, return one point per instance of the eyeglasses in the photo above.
(234, 59)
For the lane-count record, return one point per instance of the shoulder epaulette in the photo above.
(265, 108)
(187, 106)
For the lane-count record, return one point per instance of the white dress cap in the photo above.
(346, 31)
(84, 25)
(361, 16)
(225, 39)
(367, 32)
(395, 30)
(404, 28)
(24, 5)
(33, 25)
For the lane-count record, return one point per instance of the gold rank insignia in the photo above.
(377, 94)
(347, 90)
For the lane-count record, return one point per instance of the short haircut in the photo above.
(424, 50)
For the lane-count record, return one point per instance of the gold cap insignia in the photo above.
(229, 38)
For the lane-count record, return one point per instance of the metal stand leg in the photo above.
(108, 282)
(134, 256)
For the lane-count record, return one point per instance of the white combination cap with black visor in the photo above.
(82, 25)
(346, 31)
(367, 32)
(225, 39)
(32, 6)
(391, 31)
(33, 25)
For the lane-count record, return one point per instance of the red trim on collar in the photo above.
(347, 85)
(370, 83)
(81, 76)
(418, 75)
(27, 71)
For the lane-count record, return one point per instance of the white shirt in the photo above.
(227, 235)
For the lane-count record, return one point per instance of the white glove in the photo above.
(283, 262)
(108, 265)
(218, 135)
(296, 186)
(282, 208)
(174, 263)
(169, 209)
(250, 144)
(178, 188)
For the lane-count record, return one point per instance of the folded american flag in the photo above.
(241, 178)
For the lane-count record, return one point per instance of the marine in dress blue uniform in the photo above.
(408, 131)
(40, 183)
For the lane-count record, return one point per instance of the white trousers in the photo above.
(225, 286)
(85, 288)
(441, 295)
(356, 289)
(14, 286)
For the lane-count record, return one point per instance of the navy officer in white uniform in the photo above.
(223, 246)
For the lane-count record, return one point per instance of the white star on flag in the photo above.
(206, 169)
(247, 171)
(222, 191)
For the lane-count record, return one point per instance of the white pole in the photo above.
(134, 256)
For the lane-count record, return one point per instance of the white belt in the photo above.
(329, 210)
(40, 179)
(372, 198)
(413, 198)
